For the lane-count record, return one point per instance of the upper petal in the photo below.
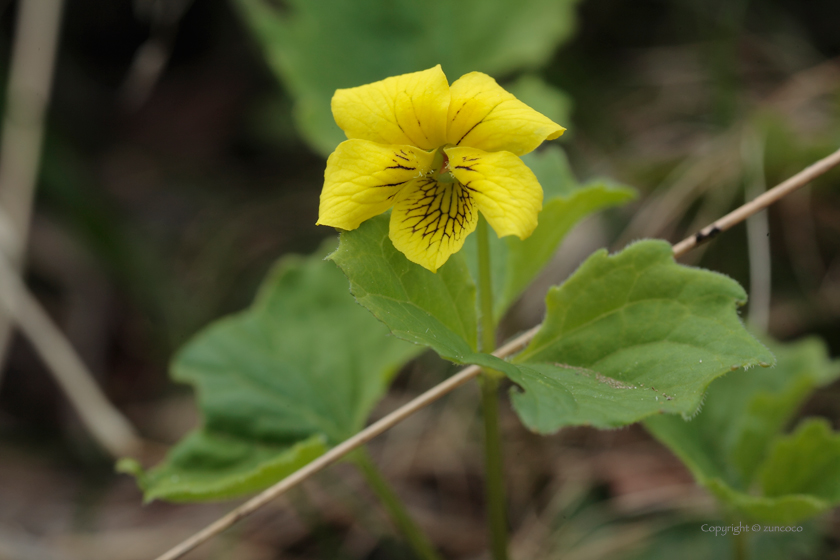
(483, 115)
(362, 179)
(408, 109)
(505, 191)
(431, 220)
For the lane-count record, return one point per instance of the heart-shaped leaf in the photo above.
(631, 335)
(277, 384)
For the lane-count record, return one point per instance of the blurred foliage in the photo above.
(298, 372)
(317, 47)
(687, 540)
(735, 443)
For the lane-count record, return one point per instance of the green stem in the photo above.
(399, 515)
(740, 544)
(485, 289)
(494, 488)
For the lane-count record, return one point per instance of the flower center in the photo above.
(440, 167)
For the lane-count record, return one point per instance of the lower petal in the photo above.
(431, 220)
(505, 191)
(363, 178)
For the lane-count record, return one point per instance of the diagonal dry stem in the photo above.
(759, 203)
(106, 424)
(27, 97)
(797, 181)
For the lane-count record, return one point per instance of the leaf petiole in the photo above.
(418, 541)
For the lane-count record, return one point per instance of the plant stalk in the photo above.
(740, 546)
(415, 536)
(487, 325)
(494, 488)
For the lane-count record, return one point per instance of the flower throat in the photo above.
(440, 167)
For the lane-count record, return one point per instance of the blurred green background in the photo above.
(184, 153)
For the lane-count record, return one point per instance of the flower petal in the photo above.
(431, 220)
(408, 109)
(505, 191)
(485, 116)
(362, 178)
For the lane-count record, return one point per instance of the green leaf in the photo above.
(734, 440)
(437, 310)
(432, 309)
(800, 479)
(211, 466)
(627, 336)
(514, 262)
(631, 335)
(298, 371)
(806, 462)
(315, 48)
(784, 510)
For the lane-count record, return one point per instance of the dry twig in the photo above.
(30, 82)
(758, 234)
(107, 425)
(760, 203)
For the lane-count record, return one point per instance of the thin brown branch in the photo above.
(760, 203)
(471, 372)
(107, 425)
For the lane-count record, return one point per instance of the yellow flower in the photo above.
(438, 154)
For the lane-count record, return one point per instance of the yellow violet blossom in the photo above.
(438, 154)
